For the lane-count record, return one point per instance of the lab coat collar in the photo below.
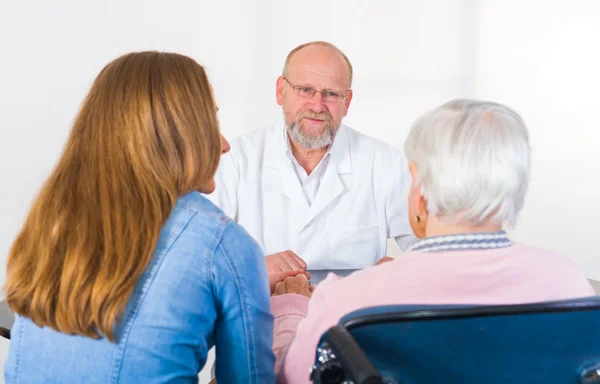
(331, 187)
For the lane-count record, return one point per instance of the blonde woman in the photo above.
(123, 272)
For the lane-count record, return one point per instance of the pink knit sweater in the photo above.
(515, 274)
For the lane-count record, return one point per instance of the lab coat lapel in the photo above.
(331, 186)
(276, 159)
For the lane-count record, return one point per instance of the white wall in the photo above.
(543, 59)
(538, 56)
(406, 57)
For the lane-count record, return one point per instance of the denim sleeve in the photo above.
(244, 328)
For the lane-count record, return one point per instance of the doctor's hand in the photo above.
(384, 260)
(284, 261)
(297, 284)
(283, 264)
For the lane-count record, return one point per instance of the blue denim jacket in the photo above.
(206, 285)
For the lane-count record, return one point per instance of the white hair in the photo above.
(473, 161)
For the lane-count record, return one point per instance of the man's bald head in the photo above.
(317, 50)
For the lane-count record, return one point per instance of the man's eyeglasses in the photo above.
(308, 92)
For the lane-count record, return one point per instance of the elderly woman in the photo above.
(469, 163)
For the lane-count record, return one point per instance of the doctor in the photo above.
(311, 191)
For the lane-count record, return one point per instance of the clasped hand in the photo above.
(287, 274)
(283, 266)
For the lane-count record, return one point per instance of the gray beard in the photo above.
(299, 137)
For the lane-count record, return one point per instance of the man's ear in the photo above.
(347, 102)
(279, 89)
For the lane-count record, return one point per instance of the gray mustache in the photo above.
(311, 115)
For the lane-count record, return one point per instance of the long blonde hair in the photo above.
(147, 133)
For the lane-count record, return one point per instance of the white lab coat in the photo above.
(360, 203)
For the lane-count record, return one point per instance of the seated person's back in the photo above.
(123, 271)
(469, 162)
(188, 296)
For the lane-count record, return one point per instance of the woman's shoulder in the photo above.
(532, 251)
(199, 232)
(206, 219)
(549, 261)
(204, 212)
(198, 203)
(195, 220)
(563, 274)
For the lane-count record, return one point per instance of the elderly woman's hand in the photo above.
(296, 284)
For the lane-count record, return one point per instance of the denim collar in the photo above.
(460, 242)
